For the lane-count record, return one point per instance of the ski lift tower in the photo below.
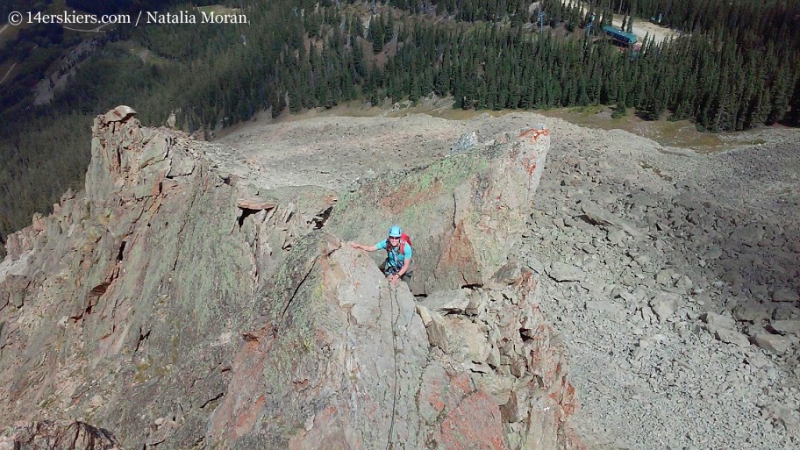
(589, 25)
(542, 15)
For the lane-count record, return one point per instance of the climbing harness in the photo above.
(393, 299)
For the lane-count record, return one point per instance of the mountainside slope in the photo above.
(178, 302)
(125, 302)
(622, 229)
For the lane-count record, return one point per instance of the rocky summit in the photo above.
(183, 301)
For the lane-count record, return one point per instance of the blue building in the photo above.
(620, 36)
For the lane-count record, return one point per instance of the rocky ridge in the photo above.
(110, 308)
(178, 302)
(683, 207)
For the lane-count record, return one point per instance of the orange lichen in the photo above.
(534, 133)
(569, 403)
(246, 418)
(529, 164)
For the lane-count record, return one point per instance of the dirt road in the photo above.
(641, 27)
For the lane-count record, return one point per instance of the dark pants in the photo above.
(388, 270)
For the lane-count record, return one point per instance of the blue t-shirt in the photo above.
(395, 259)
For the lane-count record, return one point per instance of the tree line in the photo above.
(720, 78)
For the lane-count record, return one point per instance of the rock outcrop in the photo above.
(177, 304)
(467, 211)
(124, 306)
(345, 359)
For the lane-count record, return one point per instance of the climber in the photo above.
(398, 254)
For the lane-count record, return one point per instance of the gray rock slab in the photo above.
(562, 272)
(535, 264)
(664, 305)
(757, 360)
(785, 311)
(731, 337)
(720, 321)
(785, 295)
(449, 301)
(786, 326)
(784, 416)
(600, 217)
(773, 343)
(751, 312)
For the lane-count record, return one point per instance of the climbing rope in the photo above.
(393, 299)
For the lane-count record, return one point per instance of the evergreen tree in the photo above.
(781, 94)
(376, 33)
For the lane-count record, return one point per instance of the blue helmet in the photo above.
(395, 231)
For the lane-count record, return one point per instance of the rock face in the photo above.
(345, 361)
(178, 304)
(464, 213)
(125, 305)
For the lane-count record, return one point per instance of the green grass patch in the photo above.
(680, 133)
(146, 56)
(587, 110)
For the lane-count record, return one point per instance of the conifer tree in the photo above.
(376, 33)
